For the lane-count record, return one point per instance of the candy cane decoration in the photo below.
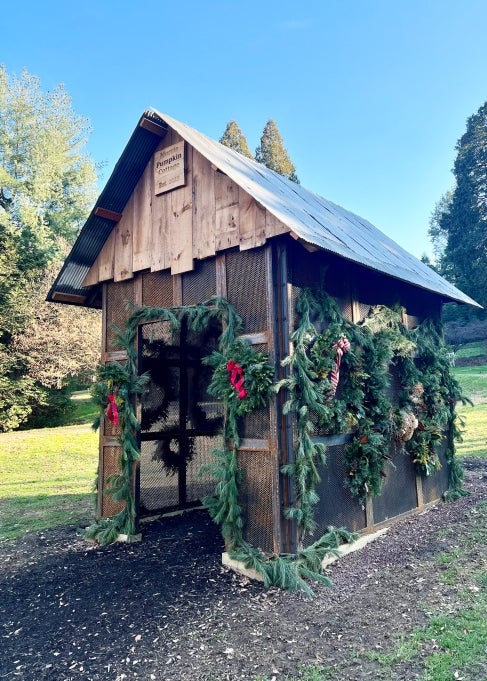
(112, 409)
(237, 378)
(342, 346)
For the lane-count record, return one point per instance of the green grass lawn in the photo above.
(85, 410)
(472, 349)
(475, 434)
(473, 381)
(48, 474)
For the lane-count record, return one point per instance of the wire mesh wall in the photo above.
(200, 284)
(398, 494)
(256, 496)
(111, 465)
(336, 505)
(433, 486)
(247, 287)
(157, 289)
(119, 296)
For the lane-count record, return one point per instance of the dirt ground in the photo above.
(166, 609)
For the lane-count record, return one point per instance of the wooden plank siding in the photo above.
(209, 214)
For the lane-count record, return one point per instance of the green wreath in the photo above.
(242, 377)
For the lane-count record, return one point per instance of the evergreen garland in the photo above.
(431, 393)
(361, 406)
(127, 384)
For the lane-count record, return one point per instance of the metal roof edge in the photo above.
(109, 205)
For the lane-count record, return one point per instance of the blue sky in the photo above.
(370, 96)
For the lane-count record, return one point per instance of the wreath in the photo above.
(242, 378)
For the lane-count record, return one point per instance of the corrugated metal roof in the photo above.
(317, 220)
(309, 216)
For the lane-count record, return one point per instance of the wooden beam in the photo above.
(107, 214)
(254, 444)
(155, 128)
(258, 338)
(68, 298)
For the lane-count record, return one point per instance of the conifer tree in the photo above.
(458, 226)
(234, 138)
(272, 153)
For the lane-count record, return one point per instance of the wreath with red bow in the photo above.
(242, 378)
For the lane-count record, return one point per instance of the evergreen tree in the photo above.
(234, 138)
(458, 226)
(47, 185)
(272, 153)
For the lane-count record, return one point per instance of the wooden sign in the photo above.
(169, 168)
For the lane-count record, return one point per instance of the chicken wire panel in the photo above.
(180, 420)
(200, 284)
(110, 429)
(363, 310)
(200, 482)
(159, 483)
(160, 465)
(247, 287)
(398, 494)
(336, 506)
(256, 425)
(111, 466)
(157, 289)
(174, 360)
(435, 485)
(119, 296)
(159, 356)
(255, 498)
(345, 307)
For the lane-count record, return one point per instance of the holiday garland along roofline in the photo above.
(362, 408)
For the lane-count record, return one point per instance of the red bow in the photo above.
(237, 378)
(112, 410)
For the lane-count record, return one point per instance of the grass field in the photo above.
(48, 475)
(473, 381)
(472, 349)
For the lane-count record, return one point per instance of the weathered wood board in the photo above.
(207, 215)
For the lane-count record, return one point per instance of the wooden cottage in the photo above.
(183, 218)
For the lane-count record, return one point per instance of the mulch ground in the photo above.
(166, 609)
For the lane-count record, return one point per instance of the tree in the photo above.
(47, 185)
(458, 227)
(272, 153)
(234, 138)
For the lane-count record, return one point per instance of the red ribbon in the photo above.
(237, 378)
(112, 410)
(342, 346)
